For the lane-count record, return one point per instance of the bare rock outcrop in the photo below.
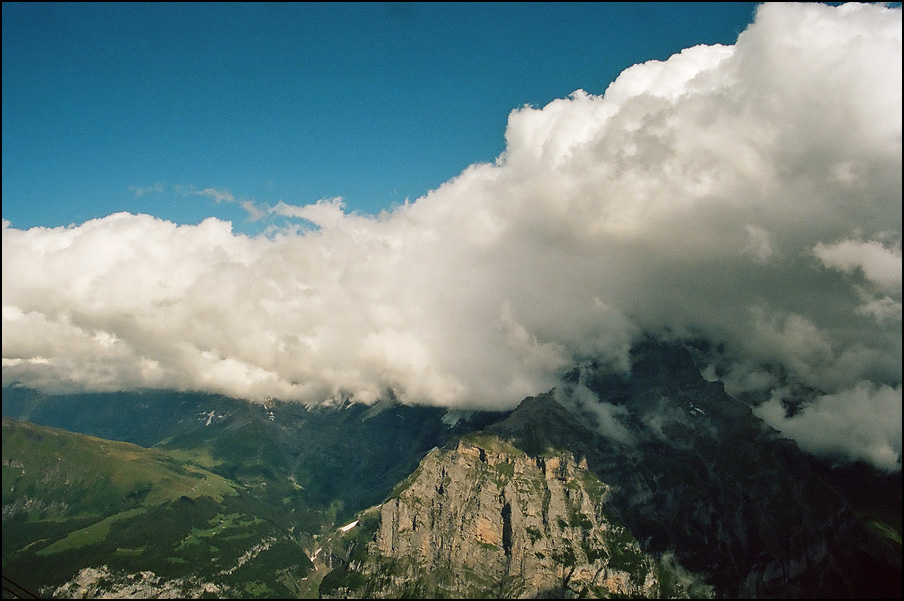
(486, 520)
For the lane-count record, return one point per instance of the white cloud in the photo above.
(326, 213)
(255, 213)
(217, 195)
(691, 198)
(599, 415)
(759, 243)
(883, 309)
(861, 424)
(879, 264)
(157, 188)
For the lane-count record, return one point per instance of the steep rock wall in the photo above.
(485, 519)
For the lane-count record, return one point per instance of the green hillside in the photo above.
(233, 477)
(72, 501)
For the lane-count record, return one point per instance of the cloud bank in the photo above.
(748, 195)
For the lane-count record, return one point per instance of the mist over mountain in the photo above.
(652, 483)
(747, 196)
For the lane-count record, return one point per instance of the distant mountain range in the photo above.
(652, 484)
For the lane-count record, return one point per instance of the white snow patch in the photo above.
(348, 527)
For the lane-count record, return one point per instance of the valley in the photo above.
(649, 484)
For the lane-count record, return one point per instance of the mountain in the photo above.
(486, 520)
(693, 472)
(84, 516)
(348, 456)
(292, 472)
(648, 483)
(717, 500)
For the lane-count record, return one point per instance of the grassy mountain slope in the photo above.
(292, 472)
(72, 502)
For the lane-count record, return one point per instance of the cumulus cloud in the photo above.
(748, 194)
(880, 267)
(859, 424)
(879, 264)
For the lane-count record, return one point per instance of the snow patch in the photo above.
(348, 527)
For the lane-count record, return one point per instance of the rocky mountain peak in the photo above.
(484, 519)
(548, 502)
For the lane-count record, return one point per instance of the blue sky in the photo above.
(138, 107)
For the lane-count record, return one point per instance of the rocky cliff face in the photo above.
(693, 472)
(719, 503)
(486, 520)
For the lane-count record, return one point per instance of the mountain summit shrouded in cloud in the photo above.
(747, 195)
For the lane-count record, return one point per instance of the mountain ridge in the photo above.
(486, 520)
(696, 476)
(702, 485)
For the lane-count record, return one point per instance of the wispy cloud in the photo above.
(255, 213)
(139, 191)
(252, 208)
(217, 195)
